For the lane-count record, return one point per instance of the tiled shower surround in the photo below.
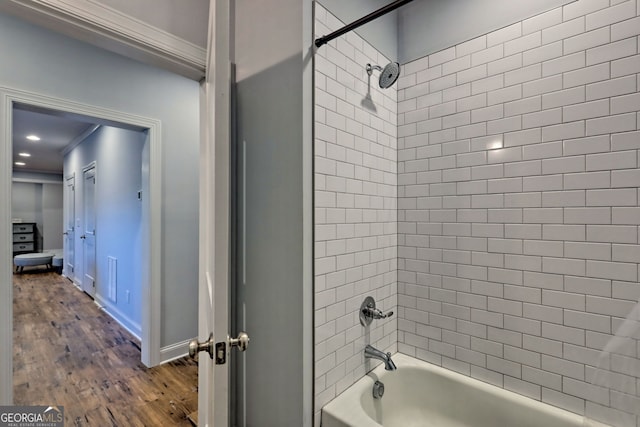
(514, 249)
(355, 209)
(518, 176)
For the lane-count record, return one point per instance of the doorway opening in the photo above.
(51, 145)
(12, 101)
(88, 353)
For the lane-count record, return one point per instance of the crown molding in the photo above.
(108, 28)
(79, 139)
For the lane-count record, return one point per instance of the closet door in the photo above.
(88, 236)
(69, 226)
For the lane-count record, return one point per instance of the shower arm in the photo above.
(370, 68)
(355, 24)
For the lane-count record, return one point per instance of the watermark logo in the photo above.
(31, 416)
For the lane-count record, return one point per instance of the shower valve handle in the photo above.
(369, 311)
(376, 313)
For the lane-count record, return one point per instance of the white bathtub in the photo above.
(419, 394)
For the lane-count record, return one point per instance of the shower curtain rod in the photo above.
(355, 24)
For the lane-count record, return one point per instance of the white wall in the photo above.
(425, 27)
(117, 154)
(40, 61)
(52, 220)
(519, 166)
(355, 209)
(26, 202)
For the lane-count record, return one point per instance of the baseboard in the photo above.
(174, 351)
(167, 354)
(131, 326)
(76, 283)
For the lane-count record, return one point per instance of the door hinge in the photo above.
(221, 353)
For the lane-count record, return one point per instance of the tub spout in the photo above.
(373, 353)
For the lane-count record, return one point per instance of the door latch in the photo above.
(221, 353)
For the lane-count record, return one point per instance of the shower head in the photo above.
(388, 75)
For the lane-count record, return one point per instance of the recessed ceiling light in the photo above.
(24, 154)
(20, 164)
(33, 138)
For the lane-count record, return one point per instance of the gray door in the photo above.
(269, 256)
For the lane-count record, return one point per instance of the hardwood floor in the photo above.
(68, 352)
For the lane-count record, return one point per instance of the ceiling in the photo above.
(186, 19)
(56, 131)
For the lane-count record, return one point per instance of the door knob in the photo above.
(196, 347)
(83, 237)
(218, 351)
(242, 342)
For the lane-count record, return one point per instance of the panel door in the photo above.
(89, 230)
(69, 227)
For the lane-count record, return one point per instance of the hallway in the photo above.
(68, 352)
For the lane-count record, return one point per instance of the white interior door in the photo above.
(69, 226)
(88, 236)
(213, 378)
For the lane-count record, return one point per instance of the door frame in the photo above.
(152, 247)
(214, 217)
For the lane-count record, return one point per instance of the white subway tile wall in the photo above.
(356, 212)
(518, 169)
